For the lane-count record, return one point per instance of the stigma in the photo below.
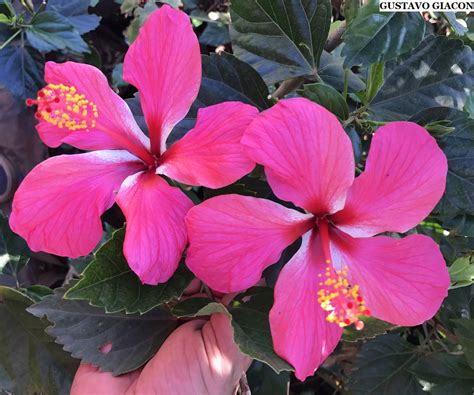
(63, 106)
(342, 302)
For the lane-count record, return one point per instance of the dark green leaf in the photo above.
(108, 282)
(331, 71)
(461, 224)
(375, 36)
(197, 307)
(327, 97)
(264, 381)
(372, 327)
(30, 362)
(288, 34)
(381, 367)
(14, 252)
(462, 272)
(215, 34)
(464, 330)
(224, 78)
(51, 31)
(252, 328)
(76, 12)
(117, 76)
(458, 147)
(447, 373)
(22, 71)
(458, 304)
(356, 142)
(84, 330)
(423, 78)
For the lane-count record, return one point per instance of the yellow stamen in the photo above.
(341, 301)
(64, 107)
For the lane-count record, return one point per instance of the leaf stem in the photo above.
(8, 41)
(346, 84)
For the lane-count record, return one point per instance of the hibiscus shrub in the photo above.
(278, 187)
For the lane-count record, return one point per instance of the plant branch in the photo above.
(335, 38)
(287, 87)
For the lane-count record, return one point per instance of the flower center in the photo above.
(64, 107)
(342, 301)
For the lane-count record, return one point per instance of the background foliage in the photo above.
(366, 67)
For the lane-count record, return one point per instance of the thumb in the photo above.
(198, 358)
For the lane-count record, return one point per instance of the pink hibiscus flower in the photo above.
(58, 206)
(340, 272)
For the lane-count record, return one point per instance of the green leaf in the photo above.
(224, 78)
(458, 28)
(252, 327)
(372, 327)
(462, 272)
(14, 252)
(381, 367)
(288, 34)
(375, 36)
(374, 81)
(51, 31)
(215, 34)
(108, 282)
(462, 225)
(76, 12)
(458, 147)
(4, 19)
(264, 381)
(464, 330)
(327, 97)
(37, 292)
(458, 304)
(422, 79)
(331, 71)
(84, 330)
(197, 307)
(22, 70)
(30, 362)
(141, 15)
(351, 8)
(447, 373)
(469, 105)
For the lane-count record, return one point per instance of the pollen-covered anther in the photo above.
(64, 107)
(340, 300)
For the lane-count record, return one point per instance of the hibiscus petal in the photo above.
(301, 334)
(115, 127)
(211, 154)
(404, 178)
(308, 158)
(58, 205)
(155, 235)
(233, 238)
(164, 64)
(402, 281)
